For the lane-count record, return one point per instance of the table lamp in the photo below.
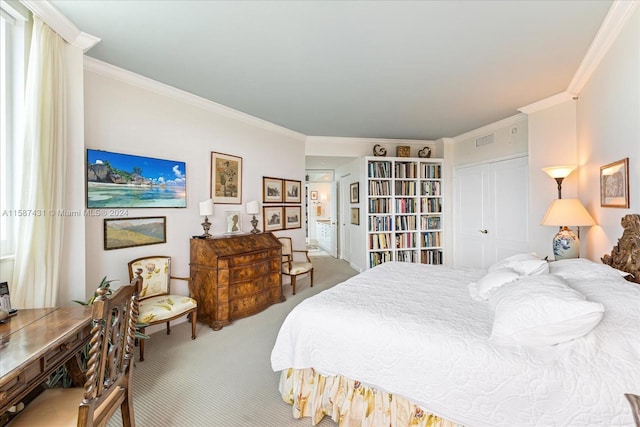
(253, 208)
(206, 209)
(567, 211)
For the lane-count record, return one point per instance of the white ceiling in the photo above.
(376, 69)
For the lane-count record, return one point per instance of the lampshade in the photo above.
(559, 171)
(567, 212)
(206, 207)
(323, 196)
(253, 207)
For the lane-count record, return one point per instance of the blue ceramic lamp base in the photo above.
(566, 244)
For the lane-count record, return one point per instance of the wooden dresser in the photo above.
(235, 276)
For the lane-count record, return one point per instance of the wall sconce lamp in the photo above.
(559, 173)
(253, 208)
(567, 211)
(206, 209)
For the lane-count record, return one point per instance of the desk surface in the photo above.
(31, 333)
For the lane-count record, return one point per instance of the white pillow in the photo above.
(582, 268)
(480, 290)
(525, 264)
(541, 311)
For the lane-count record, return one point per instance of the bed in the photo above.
(525, 343)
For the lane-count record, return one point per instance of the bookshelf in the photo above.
(404, 210)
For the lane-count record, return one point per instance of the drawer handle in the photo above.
(64, 346)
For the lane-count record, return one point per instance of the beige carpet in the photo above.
(223, 378)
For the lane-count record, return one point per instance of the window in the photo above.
(12, 76)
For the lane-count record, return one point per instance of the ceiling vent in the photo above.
(485, 140)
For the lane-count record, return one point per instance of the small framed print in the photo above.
(614, 184)
(272, 218)
(129, 232)
(271, 190)
(314, 195)
(234, 225)
(292, 191)
(355, 192)
(292, 215)
(355, 216)
(226, 178)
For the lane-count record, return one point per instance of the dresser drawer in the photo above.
(241, 307)
(244, 273)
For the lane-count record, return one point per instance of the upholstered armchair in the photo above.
(157, 304)
(295, 267)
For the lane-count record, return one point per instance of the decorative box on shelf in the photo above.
(403, 151)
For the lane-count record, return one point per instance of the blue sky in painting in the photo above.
(159, 170)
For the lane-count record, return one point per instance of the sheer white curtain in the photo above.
(41, 176)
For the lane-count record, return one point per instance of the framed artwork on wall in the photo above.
(116, 180)
(355, 216)
(293, 191)
(271, 190)
(614, 184)
(272, 218)
(226, 178)
(292, 215)
(129, 232)
(355, 192)
(314, 195)
(234, 225)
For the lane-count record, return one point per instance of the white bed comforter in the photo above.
(413, 330)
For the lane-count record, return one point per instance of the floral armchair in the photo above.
(157, 304)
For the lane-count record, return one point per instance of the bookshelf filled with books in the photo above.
(404, 210)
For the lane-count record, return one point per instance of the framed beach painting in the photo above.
(129, 232)
(272, 190)
(292, 215)
(117, 180)
(292, 191)
(226, 178)
(272, 217)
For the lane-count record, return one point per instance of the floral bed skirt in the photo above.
(350, 403)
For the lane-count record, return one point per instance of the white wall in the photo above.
(129, 114)
(73, 268)
(552, 142)
(608, 128)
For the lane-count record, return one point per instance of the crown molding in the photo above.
(61, 24)
(99, 67)
(547, 102)
(347, 140)
(612, 25)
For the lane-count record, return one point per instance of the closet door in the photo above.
(491, 212)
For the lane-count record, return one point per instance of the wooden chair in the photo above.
(157, 304)
(108, 376)
(291, 267)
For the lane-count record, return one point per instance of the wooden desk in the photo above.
(34, 343)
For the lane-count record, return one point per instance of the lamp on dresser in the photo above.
(253, 208)
(206, 209)
(567, 211)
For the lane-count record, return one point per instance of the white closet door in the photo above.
(470, 187)
(491, 212)
(508, 215)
